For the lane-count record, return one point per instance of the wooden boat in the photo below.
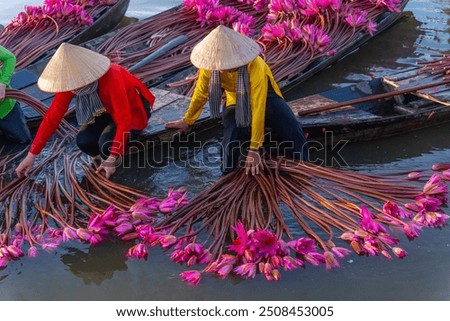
(367, 121)
(26, 79)
(104, 23)
(375, 119)
(355, 114)
(371, 119)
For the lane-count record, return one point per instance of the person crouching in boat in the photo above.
(12, 120)
(230, 61)
(110, 104)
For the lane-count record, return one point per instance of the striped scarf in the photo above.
(243, 114)
(88, 104)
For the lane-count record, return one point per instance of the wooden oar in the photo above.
(370, 98)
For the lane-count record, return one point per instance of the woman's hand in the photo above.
(180, 124)
(253, 163)
(108, 166)
(26, 165)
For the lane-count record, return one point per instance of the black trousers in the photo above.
(97, 138)
(14, 126)
(285, 137)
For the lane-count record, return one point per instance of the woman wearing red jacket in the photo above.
(110, 104)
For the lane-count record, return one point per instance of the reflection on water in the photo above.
(77, 272)
(95, 264)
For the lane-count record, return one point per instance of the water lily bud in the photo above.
(347, 236)
(446, 175)
(399, 252)
(32, 251)
(440, 167)
(168, 240)
(362, 234)
(84, 234)
(123, 228)
(414, 175)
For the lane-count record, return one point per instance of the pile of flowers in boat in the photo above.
(37, 29)
(292, 34)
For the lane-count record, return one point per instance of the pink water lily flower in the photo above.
(391, 5)
(431, 219)
(245, 25)
(356, 19)
(411, 230)
(14, 251)
(138, 251)
(275, 5)
(123, 228)
(323, 3)
(144, 231)
(247, 270)
(431, 204)
(240, 243)
(50, 246)
(371, 27)
(69, 233)
(192, 277)
(291, 263)
(223, 270)
(167, 240)
(434, 187)
(330, 260)
(146, 205)
(340, 251)
(370, 247)
(394, 210)
(264, 243)
(314, 258)
(3, 262)
(368, 223)
(387, 239)
(32, 251)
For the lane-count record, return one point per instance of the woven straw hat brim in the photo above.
(72, 67)
(223, 48)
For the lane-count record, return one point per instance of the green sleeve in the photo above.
(8, 60)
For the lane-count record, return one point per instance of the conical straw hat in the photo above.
(72, 67)
(222, 49)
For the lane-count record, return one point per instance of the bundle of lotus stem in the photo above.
(62, 190)
(439, 66)
(325, 205)
(292, 214)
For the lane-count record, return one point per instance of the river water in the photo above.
(77, 272)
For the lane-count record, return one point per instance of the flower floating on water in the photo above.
(192, 277)
(138, 251)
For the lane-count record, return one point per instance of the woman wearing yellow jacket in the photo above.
(229, 64)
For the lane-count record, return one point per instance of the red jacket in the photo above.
(119, 92)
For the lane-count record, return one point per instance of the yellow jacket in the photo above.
(259, 77)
